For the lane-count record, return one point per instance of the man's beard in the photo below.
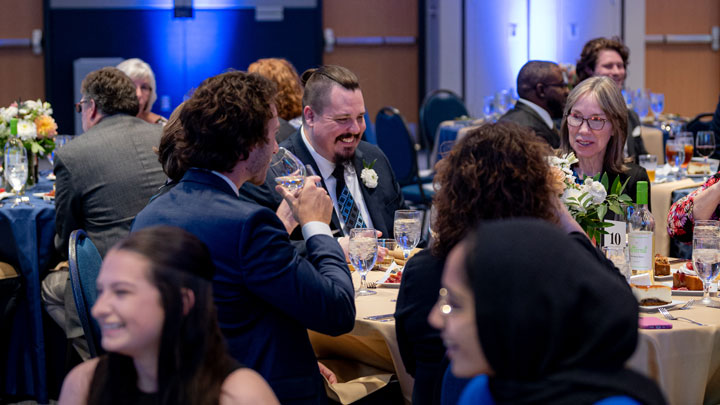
(345, 158)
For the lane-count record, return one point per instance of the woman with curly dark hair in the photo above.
(159, 326)
(495, 171)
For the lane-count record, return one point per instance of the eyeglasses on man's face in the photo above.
(595, 123)
(78, 105)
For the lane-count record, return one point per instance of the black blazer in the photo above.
(523, 115)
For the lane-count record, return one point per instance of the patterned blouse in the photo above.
(680, 221)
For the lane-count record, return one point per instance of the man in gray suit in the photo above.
(543, 91)
(104, 178)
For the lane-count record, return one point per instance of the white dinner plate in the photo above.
(699, 176)
(389, 285)
(44, 196)
(655, 307)
(693, 293)
(664, 278)
(5, 194)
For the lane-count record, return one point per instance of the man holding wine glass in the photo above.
(267, 295)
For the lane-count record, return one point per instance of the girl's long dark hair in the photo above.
(193, 360)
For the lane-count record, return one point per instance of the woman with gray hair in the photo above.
(594, 126)
(144, 79)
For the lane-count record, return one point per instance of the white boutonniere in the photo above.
(368, 175)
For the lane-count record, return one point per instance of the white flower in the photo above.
(598, 193)
(26, 130)
(574, 193)
(369, 177)
(8, 113)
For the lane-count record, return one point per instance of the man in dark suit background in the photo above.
(329, 141)
(543, 91)
(266, 294)
(104, 178)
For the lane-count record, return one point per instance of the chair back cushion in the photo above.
(439, 106)
(85, 262)
(394, 140)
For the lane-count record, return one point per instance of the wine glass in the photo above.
(620, 258)
(60, 141)
(363, 252)
(16, 169)
(675, 155)
(288, 170)
(706, 261)
(657, 103)
(641, 103)
(407, 227)
(705, 144)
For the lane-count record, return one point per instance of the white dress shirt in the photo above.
(351, 181)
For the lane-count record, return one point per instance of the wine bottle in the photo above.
(641, 228)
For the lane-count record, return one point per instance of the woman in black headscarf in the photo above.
(543, 321)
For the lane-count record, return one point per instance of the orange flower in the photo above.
(46, 126)
(557, 180)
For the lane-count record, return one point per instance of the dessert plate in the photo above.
(391, 285)
(655, 307)
(664, 278)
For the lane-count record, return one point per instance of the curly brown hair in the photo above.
(172, 166)
(496, 171)
(112, 90)
(589, 55)
(290, 91)
(225, 118)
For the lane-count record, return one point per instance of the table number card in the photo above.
(615, 233)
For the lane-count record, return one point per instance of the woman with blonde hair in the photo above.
(145, 88)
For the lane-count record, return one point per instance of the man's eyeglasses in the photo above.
(78, 105)
(595, 123)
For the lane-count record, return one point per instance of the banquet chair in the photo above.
(85, 262)
(438, 106)
(395, 141)
(369, 134)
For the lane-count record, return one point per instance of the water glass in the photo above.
(675, 155)
(620, 257)
(60, 141)
(407, 229)
(705, 144)
(649, 163)
(703, 228)
(657, 103)
(363, 252)
(390, 245)
(641, 102)
(16, 169)
(288, 170)
(706, 261)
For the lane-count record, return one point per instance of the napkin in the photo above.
(355, 380)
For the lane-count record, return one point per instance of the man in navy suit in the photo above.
(329, 141)
(266, 294)
(543, 91)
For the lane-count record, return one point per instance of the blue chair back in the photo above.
(369, 135)
(395, 141)
(85, 262)
(438, 106)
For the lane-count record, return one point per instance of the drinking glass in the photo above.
(363, 254)
(390, 245)
(675, 155)
(407, 228)
(60, 141)
(641, 103)
(649, 163)
(620, 258)
(657, 103)
(288, 170)
(686, 139)
(706, 261)
(705, 144)
(706, 228)
(16, 170)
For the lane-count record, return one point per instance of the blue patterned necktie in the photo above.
(346, 203)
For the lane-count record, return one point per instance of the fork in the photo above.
(687, 305)
(671, 317)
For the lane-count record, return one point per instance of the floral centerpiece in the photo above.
(36, 126)
(589, 201)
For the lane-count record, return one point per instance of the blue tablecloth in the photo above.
(445, 134)
(26, 235)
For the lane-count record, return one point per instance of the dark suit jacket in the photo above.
(104, 178)
(382, 201)
(267, 296)
(523, 115)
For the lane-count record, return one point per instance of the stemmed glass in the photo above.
(657, 103)
(16, 169)
(60, 141)
(407, 229)
(288, 170)
(705, 144)
(641, 103)
(363, 252)
(390, 245)
(620, 258)
(675, 155)
(706, 261)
